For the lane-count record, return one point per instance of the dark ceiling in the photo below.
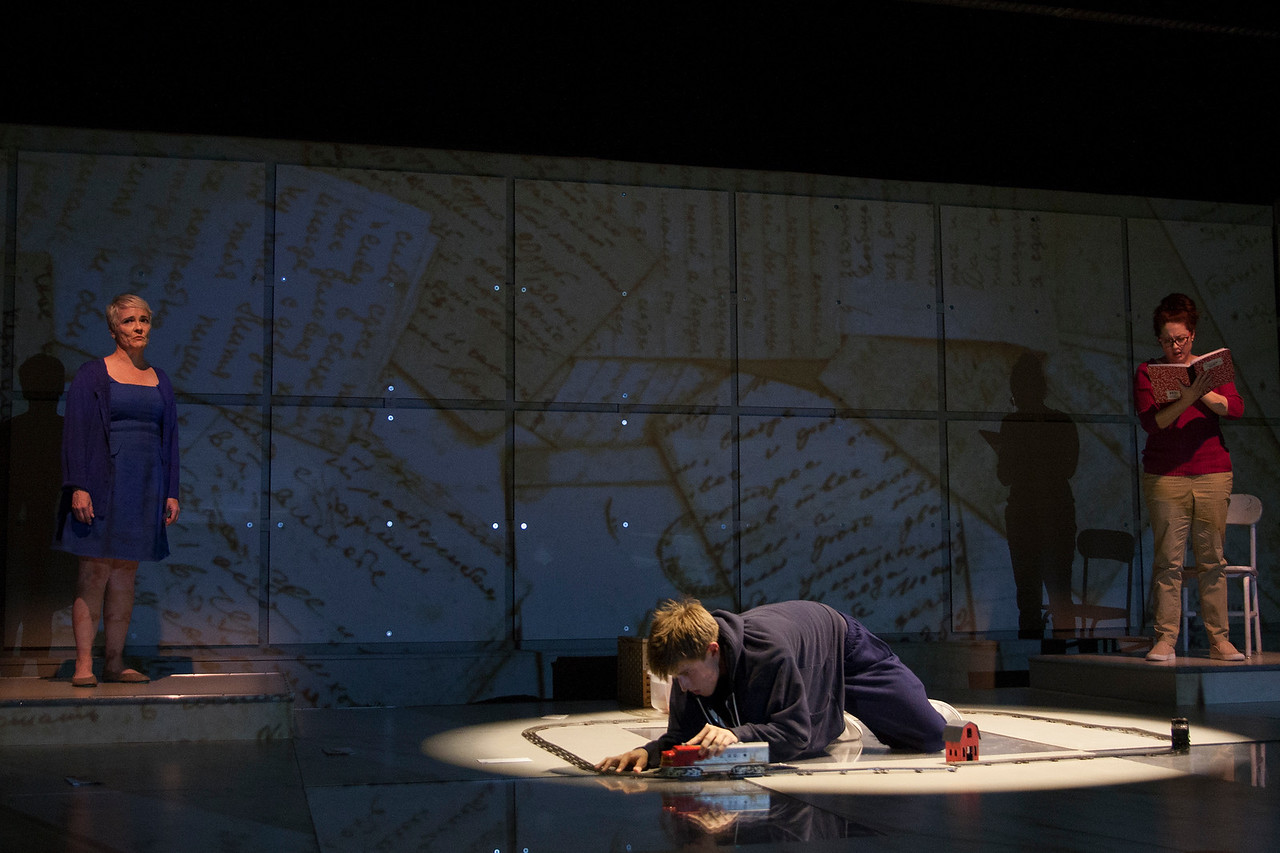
(1159, 98)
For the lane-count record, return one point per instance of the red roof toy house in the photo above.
(962, 741)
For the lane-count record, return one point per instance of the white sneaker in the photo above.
(854, 730)
(949, 714)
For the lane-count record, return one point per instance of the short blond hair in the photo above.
(682, 630)
(119, 303)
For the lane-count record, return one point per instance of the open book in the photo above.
(1168, 380)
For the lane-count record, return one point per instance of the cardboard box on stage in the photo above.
(633, 672)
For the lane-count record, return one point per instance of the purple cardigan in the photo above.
(86, 453)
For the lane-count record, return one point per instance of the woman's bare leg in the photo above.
(86, 610)
(117, 612)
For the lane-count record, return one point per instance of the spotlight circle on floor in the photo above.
(1022, 749)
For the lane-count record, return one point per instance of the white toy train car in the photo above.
(741, 759)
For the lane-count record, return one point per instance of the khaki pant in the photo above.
(1188, 509)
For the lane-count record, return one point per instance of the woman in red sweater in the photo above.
(1186, 480)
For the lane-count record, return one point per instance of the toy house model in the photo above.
(962, 741)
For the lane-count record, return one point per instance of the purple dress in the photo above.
(131, 524)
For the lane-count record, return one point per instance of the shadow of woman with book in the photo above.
(1037, 450)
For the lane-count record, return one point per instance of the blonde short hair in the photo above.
(682, 630)
(119, 303)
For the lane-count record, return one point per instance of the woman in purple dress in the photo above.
(120, 484)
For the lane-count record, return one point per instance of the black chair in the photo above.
(1117, 545)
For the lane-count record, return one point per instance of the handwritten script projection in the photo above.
(837, 303)
(1028, 281)
(187, 235)
(207, 591)
(395, 280)
(387, 525)
(846, 511)
(622, 291)
(349, 268)
(649, 503)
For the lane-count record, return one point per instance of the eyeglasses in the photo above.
(1179, 341)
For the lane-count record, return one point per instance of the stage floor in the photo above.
(1192, 679)
(1057, 772)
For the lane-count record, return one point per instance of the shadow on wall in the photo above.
(38, 580)
(1037, 450)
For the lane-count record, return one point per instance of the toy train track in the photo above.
(746, 760)
(683, 762)
(532, 735)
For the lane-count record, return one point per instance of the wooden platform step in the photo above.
(1185, 681)
(173, 708)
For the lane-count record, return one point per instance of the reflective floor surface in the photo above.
(466, 779)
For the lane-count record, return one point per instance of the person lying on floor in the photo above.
(782, 673)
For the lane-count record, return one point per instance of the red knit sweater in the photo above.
(1191, 445)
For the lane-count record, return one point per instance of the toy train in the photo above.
(739, 760)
